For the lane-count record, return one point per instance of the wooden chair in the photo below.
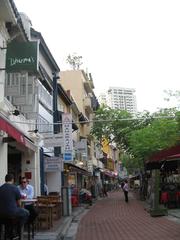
(53, 194)
(44, 212)
(56, 201)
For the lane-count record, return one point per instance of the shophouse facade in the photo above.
(18, 151)
(81, 88)
(26, 99)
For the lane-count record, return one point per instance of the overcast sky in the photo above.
(124, 43)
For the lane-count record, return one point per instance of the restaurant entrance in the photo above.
(14, 163)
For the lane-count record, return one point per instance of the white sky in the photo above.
(124, 43)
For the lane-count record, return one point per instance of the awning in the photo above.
(74, 168)
(165, 154)
(13, 132)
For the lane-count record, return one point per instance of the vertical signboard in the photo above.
(67, 136)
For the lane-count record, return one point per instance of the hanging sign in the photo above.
(67, 136)
(53, 140)
(22, 56)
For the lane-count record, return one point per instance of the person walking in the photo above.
(126, 189)
(105, 194)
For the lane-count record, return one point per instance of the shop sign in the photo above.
(53, 164)
(67, 137)
(81, 147)
(22, 56)
(110, 164)
(53, 140)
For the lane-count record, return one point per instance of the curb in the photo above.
(71, 232)
(67, 229)
(55, 235)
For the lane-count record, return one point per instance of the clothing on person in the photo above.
(46, 192)
(105, 190)
(27, 192)
(126, 189)
(9, 198)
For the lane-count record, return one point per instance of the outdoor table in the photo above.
(28, 201)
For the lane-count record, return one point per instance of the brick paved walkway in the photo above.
(113, 219)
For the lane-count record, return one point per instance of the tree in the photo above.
(137, 137)
(74, 61)
(107, 123)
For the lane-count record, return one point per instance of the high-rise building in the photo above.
(120, 98)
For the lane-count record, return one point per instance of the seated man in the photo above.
(10, 201)
(27, 192)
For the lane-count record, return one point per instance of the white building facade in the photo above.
(122, 98)
(19, 153)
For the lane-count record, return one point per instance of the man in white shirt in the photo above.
(27, 192)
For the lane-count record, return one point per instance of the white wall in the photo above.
(54, 181)
(30, 163)
(3, 161)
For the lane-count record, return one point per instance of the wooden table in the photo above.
(28, 201)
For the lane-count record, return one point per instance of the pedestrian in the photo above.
(27, 192)
(126, 189)
(122, 185)
(105, 194)
(10, 201)
(46, 191)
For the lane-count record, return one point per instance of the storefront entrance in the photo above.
(14, 163)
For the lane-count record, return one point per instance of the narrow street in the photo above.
(113, 219)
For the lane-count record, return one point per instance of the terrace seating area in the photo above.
(49, 210)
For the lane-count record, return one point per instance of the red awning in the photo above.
(165, 154)
(176, 156)
(11, 130)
